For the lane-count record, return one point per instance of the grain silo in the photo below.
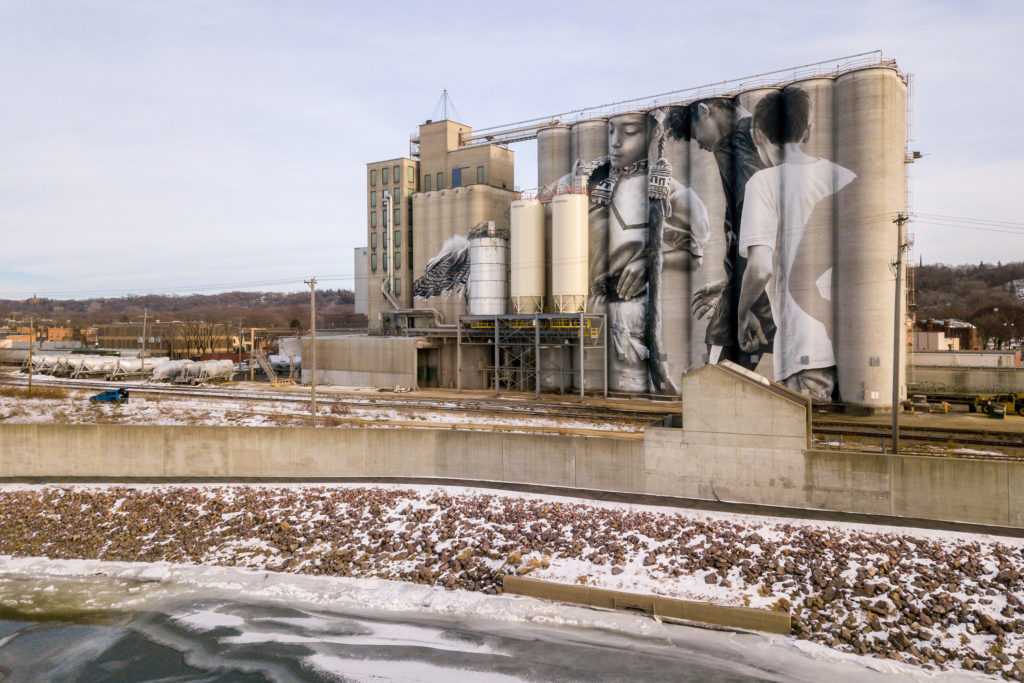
(870, 114)
(589, 140)
(706, 181)
(554, 160)
(676, 279)
(570, 274)
(488, 271)
(809, 258)
(527, 271)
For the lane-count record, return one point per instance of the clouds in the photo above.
(164, 142)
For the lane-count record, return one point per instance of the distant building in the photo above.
(60, 334)
(934, 341)
(967, 335)
(173, 339)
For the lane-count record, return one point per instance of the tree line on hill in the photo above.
(989, 296)
(335, 309)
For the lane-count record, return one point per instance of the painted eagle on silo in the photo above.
(447, 272)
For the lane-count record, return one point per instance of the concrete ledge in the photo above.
(719, 615)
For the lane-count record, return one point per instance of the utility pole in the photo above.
(312, 343)
(31, 343)
(252, 354)
(142, 358)
(898, 334)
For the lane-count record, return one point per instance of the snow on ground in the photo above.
(930, 599)
(149, 409)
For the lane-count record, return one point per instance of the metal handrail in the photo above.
(519, 131)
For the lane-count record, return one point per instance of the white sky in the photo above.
(151, 146)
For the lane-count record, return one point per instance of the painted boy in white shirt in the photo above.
(774, 240)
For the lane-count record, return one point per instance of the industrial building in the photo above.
(753, 221)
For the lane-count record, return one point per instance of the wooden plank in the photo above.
(770, 621)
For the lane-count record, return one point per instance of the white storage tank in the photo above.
(570, 253)
(527, 273)
(488, 271)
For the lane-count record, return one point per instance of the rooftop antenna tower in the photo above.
(444, 103)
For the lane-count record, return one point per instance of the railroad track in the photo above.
(524, 408)
(926, 434)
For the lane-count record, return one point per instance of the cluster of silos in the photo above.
(443, 220)
(824, 199)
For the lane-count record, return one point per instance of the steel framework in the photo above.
(517, 341)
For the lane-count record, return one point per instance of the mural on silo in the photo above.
(716, 231)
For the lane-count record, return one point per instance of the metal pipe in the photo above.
(582, 351)
(496, 352)
(536, 355)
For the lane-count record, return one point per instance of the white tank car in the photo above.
(170, 369)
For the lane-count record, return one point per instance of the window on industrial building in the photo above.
(412, 174)
(373, 177)
(373, 240)
(440, 180)
(408, 259)
(426, 182)
(398, 286)
(398, 174)
(373, 198)
(409, 242)
(373, 262)
(456, 177)
(384, 176)
(398, 238)
(480, 175)
(398, 216)
(398, 260)
(373, 219)
(411, 191)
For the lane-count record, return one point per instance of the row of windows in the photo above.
(398, 239)
(397, 175)
(398, 261)
(397, 199)
(396, 218)
(456, 178)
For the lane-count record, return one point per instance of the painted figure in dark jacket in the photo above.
(721, 126)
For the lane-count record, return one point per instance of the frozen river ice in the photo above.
(93, 621)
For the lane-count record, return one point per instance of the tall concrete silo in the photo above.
(422, 229)
(554, 154)
(527, 271)
(706, 181)
(554, 160)
(676, 277)
(589, 140)
(811, 259)
(870, 114)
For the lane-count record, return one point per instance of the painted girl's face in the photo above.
(627, 140)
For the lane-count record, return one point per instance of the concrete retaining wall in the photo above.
(666, 462)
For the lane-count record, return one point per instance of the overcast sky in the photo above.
(204, 146)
